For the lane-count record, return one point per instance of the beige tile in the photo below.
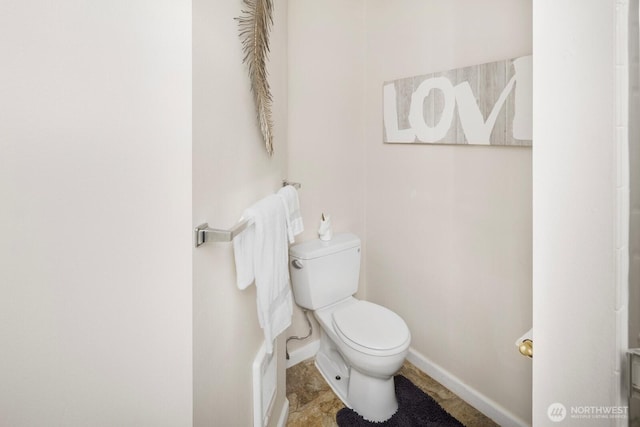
(311, 401)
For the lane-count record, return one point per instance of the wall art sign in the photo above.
(487, 104)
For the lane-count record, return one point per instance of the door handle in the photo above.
(526, 348)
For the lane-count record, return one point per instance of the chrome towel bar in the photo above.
(203, 234)
(297, 185)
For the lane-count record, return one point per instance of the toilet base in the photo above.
(372, 398)
(333, 368)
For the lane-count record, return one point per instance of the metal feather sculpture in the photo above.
(255, 23)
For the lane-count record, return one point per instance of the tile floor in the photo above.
(313, 404)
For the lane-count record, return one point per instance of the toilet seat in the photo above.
(371, 328)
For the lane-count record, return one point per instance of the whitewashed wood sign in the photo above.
(488, 104)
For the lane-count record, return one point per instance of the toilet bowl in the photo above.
(362, 344)
(371, 361)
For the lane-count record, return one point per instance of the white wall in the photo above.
(579, 292)
(231, 171)
(326, 151)
(95, 194)
(448, 228)
(634, 179)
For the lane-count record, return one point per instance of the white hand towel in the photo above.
(261, 252)
(289, 196)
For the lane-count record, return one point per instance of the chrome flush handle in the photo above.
(297, 264)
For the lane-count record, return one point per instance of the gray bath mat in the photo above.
(415, 409)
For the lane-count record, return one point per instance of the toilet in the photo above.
(362, 345)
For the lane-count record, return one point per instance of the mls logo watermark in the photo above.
(557, 412)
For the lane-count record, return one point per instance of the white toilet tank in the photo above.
(325, 272)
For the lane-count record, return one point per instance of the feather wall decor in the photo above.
(255, 23)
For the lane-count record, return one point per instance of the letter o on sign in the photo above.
(424, 132)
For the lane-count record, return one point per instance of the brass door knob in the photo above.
(526, 348)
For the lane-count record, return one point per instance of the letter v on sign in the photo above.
(476, 130)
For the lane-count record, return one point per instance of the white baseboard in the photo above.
(284, 414)
(473, 397)
(305, 352)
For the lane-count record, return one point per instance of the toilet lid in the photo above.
(371, 326)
